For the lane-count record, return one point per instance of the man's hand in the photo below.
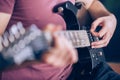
(108, 24)
(62, 53)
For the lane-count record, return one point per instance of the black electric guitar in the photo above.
(89, 57)
(18, 44)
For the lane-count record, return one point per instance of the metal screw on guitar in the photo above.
(100, 53)
(60, 10)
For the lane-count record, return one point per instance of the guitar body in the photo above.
(89, 58)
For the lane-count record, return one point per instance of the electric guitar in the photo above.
(19, 44)
(89, 57)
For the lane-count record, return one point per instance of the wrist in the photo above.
(113, 18)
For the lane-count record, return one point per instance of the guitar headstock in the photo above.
(19, 44)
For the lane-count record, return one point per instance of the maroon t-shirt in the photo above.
(37, 12)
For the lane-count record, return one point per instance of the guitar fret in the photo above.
(72, 38)
(78, 40)
(82, 38)
(67, 35)
(75, 38)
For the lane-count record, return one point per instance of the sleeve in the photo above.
(6, 6)
(104, 72)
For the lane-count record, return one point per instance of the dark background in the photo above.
(112, 51)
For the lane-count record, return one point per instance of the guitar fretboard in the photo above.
(79, 38)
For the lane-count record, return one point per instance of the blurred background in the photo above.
(112, 51)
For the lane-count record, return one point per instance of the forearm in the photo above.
(4, 19)
(97, 10)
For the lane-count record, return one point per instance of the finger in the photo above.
(102, 43)
(74, 56)
(66, 60)
(53, 59)
(57, 41)
(71, 54)
(59, 60)
(63, 60)
(99, 44)
(94, 26)
(108, 37)
(48, 58)
(71, 51)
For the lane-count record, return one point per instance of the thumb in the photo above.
(94, 25)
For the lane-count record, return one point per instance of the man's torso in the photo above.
(40, 13)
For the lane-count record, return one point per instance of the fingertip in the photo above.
(95, 34)
(76, 60)
(93, 44)
(75, 57)
(91, 30)
(100, 35)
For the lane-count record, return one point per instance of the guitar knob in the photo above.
(21, 28)
(14, 31)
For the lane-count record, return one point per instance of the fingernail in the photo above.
(100, 36)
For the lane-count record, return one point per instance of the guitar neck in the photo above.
(78, 38)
